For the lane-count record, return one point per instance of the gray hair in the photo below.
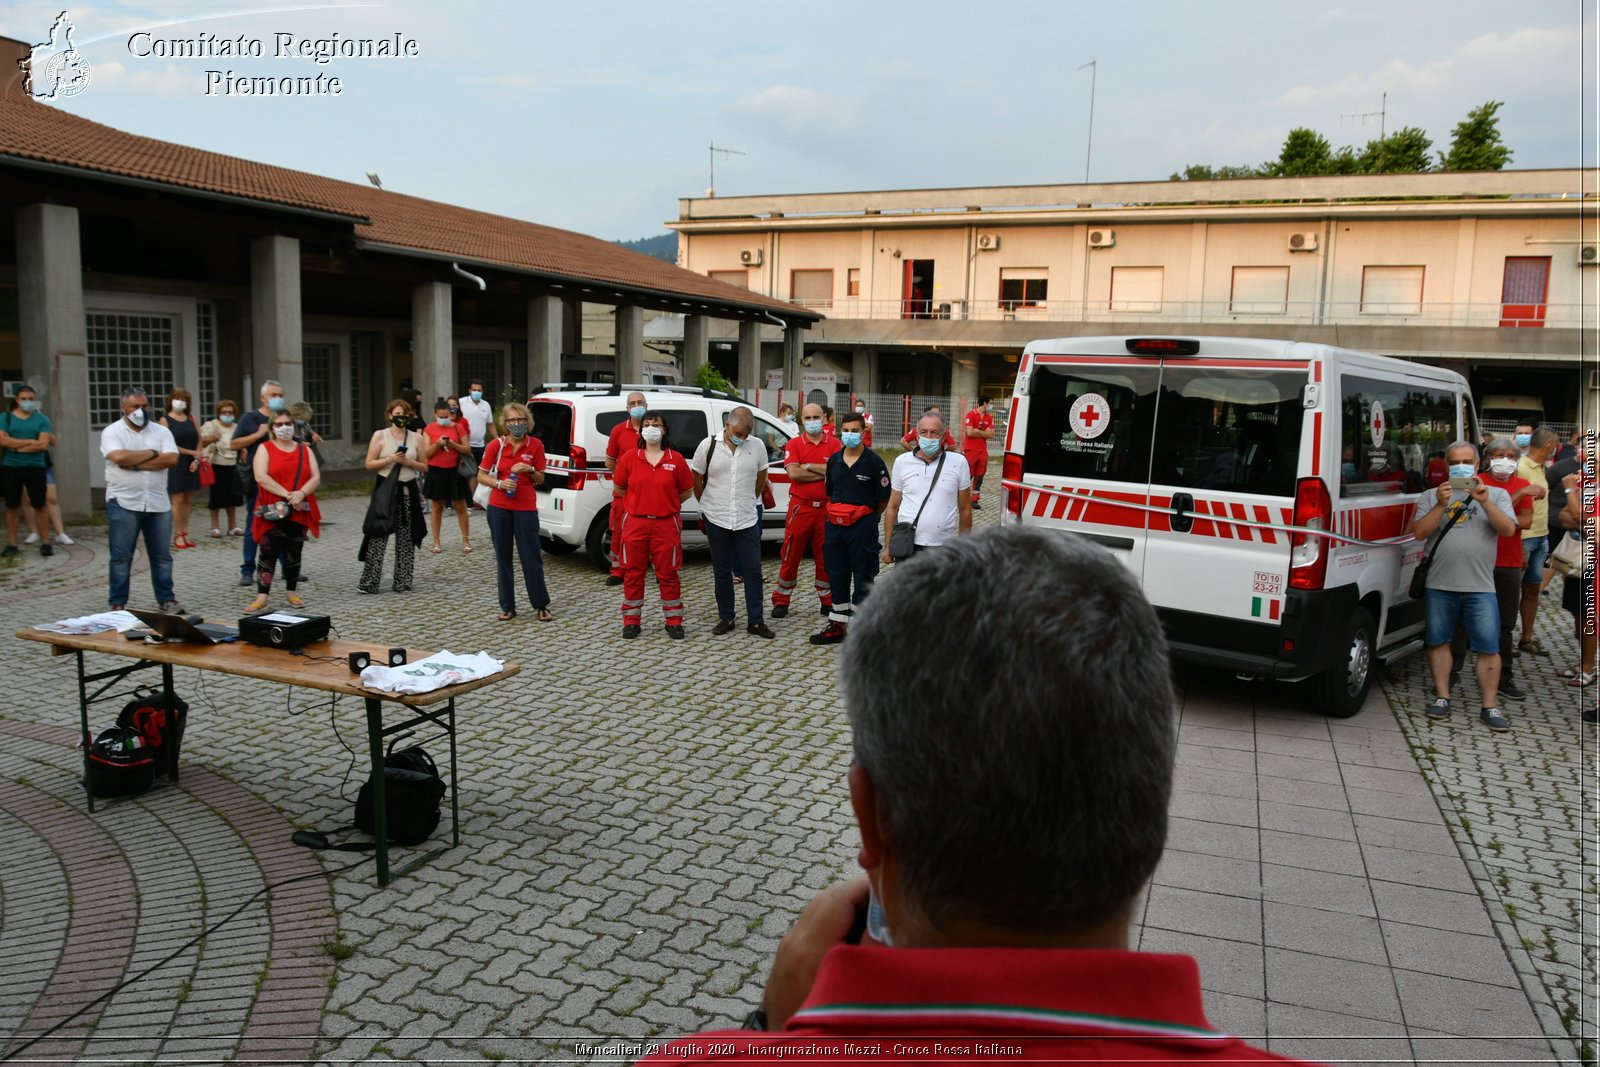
(1500, 444)
(1544, 437)
(133, 391)
(1468, 445)
(1044, 809)
(268, 384)
(743, 414)
(936, 417)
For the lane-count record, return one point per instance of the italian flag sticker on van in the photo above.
(1266, 607)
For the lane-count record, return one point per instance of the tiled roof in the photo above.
(34, 131)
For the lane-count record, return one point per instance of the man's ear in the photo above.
(869, 819)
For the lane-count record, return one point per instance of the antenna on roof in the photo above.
(711, 184)
(377, 183)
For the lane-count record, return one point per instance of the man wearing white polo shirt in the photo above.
(479, 414)
(138, 452)
(930, 486)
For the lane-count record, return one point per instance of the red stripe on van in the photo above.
(1316, 371)
(1378, 524)
(1245, 533)
(1264, 516)
(1011, 419)
(1316, 443)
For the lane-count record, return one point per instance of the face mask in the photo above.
(651, 435)
(813, 426)
(1503, 467)
(180, 406)
(444, 420)
(477, 394)
(284, 432)
(929, 445)
(736, 440)
(398, 420)
(1462, 470)
(637, 413)
(1348, 470)
(30, 406)
(850, 439)
(518, 430)
(226, 420)
(860, 410)
(136, 416)
(275, 404)
(1523, 440)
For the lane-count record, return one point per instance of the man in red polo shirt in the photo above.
(622, 440)
(806, 460)
(1005, 850)
(909, 441)
(978, 432)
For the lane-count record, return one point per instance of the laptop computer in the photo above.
(179, 628)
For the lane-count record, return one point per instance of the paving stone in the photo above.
(1234, 967)
(1211, 914)
(1345, 987)
(1311, 853)
(1448, 954)
(1324, 933)
(1328, 1037)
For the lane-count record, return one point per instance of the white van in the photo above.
(573, 422)
(1261, 490)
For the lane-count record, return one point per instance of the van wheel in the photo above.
(1342, 689)
(598, 542)
(556, 548)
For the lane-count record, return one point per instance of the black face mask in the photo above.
(399, 420)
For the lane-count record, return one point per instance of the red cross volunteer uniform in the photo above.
(623, 440)
(976, 448)
(987, 1004)
(652, 530)
(806, 523)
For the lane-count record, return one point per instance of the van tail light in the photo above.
(580, 468)
(1011, 471)
(1308, 554)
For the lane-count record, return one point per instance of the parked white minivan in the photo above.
(573, 422)
(1261, 490)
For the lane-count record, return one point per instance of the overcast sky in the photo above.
(598, 117)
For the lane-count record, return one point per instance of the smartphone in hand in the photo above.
(1465, 485)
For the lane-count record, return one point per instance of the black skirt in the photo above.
(443, 483)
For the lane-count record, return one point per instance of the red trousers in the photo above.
(977, 465)
(803, 529)
(615, 522)
(651, 542)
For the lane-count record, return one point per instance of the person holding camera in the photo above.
(1469, 517)
(287, 476)
(396, 451)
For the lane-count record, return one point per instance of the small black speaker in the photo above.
(397, 657)
(360, 661)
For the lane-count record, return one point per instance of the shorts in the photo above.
(1538, 549)
(1478, 612)
(13, 480)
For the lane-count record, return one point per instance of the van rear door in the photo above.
(1085, 430)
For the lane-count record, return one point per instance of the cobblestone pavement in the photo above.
(642, 820)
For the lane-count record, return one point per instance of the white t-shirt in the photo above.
(729, 499)
(912, 476)
(140, 490)
(478, 413)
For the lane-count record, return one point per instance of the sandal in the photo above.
(296, 601)
(236, 532)
(466, 549)
(1582, 679)
(437, 548)
(507, 616)
(545, 616)
(258, 604)
(1568, 672)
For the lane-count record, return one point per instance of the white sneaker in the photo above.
(31, 539)
(63, 539)
(215, 532)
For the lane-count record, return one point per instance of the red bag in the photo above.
(208, 474)
(847, 514)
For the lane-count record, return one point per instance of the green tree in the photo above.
(709, 377)
(1406, 151)
(1198, 172)
(1476, 143)
(1305, 152)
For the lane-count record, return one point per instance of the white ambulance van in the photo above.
(1261, 490)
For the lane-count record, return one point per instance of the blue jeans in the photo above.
(124, 527)
(508, 527)
(248, 567)
(1478, 612)
(736, 550)
(1538, 549)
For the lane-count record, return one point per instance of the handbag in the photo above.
(379, 520)
(467, 467)
(244, 476)
(1568, 558)
(1419, 577)
(208, 474)
(480, 492)
(278, 510)
(903, 538)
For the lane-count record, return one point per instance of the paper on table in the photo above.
(100, 623)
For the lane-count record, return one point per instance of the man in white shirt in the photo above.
(139, 451)
(730, 474)
(918, 478)
(479, 414)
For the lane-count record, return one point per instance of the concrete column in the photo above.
(794, 345)
(862, 380)
(963, 384)
(275, 331)
(571, 327)
(750, 356)
(432, 354)
(544, 341)
(630, 344)
(55, 341)
(696, 344)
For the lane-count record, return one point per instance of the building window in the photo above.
(480, 365)
(811, 288)
(128, 349)
(1522, 295)
(1259, 291)
(1136, 288)
(738, 278)
(1394, 436)
(319, 364)
(1023, 287)
(853, 282)
(205, 337)
(1391, 290)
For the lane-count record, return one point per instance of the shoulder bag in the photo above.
(1567, 559)
(1419, 577)
(481, 492)
(903, 538)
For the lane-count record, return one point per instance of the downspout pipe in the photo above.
(469, 276)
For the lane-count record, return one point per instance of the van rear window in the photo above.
(1115, 412)
(552, 425)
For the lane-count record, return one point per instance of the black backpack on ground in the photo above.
(412, 792)
(147, 714)
(120, 763)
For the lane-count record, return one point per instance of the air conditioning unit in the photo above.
(1102, 238)
(1303, 242)
(1588, 255)
(750, 257)
(988, 242)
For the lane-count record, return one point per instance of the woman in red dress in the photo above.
(286, 508)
